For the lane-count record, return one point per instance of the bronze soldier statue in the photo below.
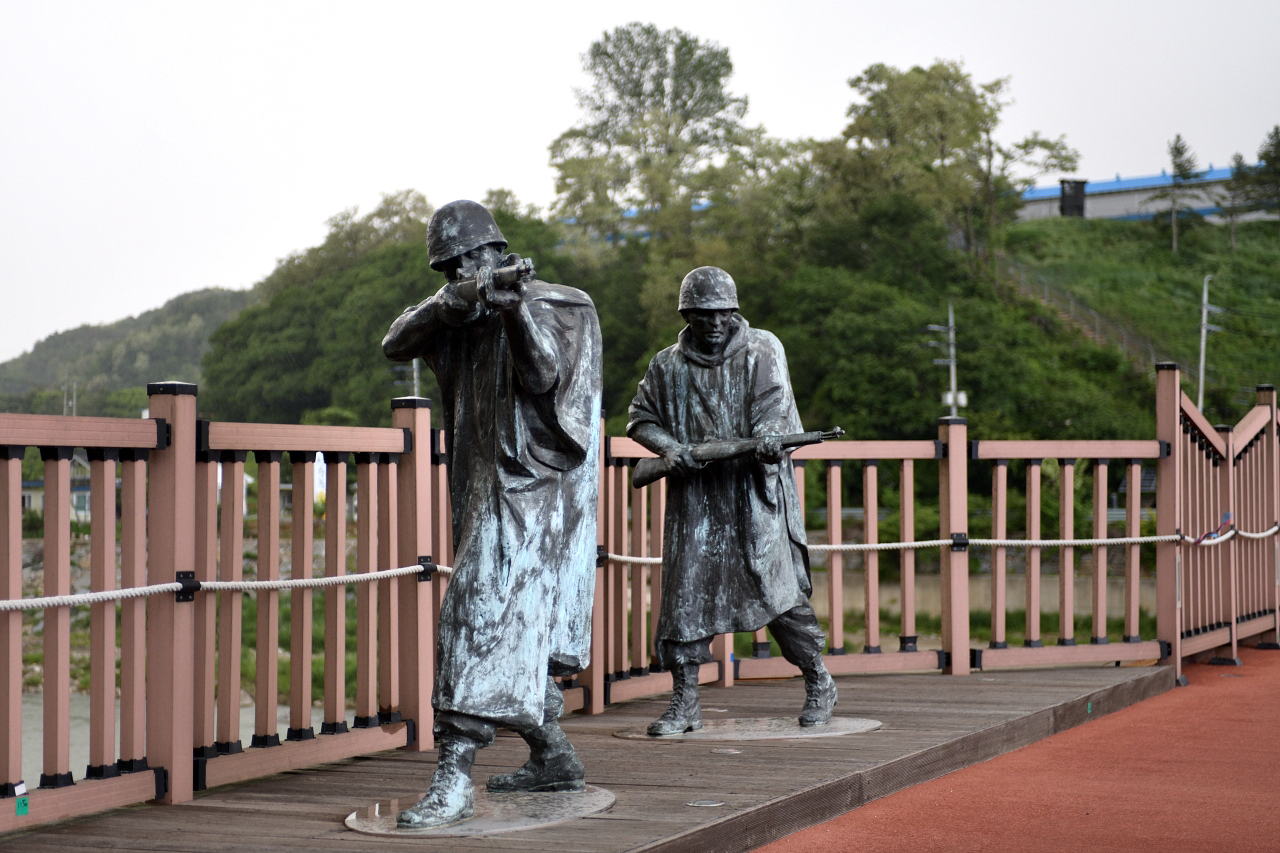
(518, 362)
(735, 556)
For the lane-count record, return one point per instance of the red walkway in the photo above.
(1196, 768)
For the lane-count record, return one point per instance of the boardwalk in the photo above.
(932, 725)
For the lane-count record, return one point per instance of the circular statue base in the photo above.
(768, 728)
(494, 813)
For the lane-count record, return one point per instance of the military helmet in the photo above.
(708, 289)
(457, 228)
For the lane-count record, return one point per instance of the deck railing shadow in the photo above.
(171, 611)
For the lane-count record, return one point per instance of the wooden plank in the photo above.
(932, 725)
(64, 431)
(1051, 655)
(1082, 449)
(287, 437)
(289, 755)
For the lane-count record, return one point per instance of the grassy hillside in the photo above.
(1126, 272)
(112, 363)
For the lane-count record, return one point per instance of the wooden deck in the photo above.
(933, 724)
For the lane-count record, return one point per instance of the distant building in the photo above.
(1122, 198)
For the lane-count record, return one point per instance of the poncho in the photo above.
(735, 555)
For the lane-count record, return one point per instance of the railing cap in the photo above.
(174, 389)
(1166, 365)
(410, 403)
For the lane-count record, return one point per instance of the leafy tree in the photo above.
(1179, 193)
(1232, 198)
(1005, 171)
(930, 133)
(914, 131)
(656, 119)
(1265, 179)
(656, 115)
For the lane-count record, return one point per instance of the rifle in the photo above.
(517, 270)
(651, 470)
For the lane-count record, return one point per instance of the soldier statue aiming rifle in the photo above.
(735, 556)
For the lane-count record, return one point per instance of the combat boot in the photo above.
(819, 694)
(552, 765)
(451, 797)
(684, 714)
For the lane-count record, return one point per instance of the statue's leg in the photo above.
(553, 765)
(684, 714)
(801, 639)
(451, 797)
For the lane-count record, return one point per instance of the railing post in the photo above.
(1067, 553)
(11, 621)
(953, 506)
(171, 538)
(593, 676)
(835, 559)
(1229, 560)
(1168, 511)
(417, 615)
(1270, 498)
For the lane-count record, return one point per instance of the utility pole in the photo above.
(1205, 329)
(953, 398)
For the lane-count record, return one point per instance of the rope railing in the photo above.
(87, 598)
(1004, 543)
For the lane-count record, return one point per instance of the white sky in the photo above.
(149, 149)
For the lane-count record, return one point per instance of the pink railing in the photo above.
(179, 586)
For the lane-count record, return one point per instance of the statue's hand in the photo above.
(769, 450)
(496, 296)
(680, 458)
(453, 309)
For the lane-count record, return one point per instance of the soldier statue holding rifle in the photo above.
(519, 366)
(735, 556)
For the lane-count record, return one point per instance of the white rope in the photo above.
(1074, 543)
(1275, 528)
(640, 561)
(881, 546)
(1212, 539)
(85, 598)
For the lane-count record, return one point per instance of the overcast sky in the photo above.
(149, 149)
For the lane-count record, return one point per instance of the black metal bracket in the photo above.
(264, 741)
(427, 568)
(944, 658)
(959, 541)
(338, 728)
(411, 732)
(162, 782)
(871, 650)
(907, 643)
(602, 556)
(975, 658)
(190, 586)
(1166, 649)
(164, 434)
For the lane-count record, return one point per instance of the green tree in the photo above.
(1265, 179)
(657, 118)
(931, 133)
(656, 115)
(1179, 193)
(1005, 171)
(1232, 198)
